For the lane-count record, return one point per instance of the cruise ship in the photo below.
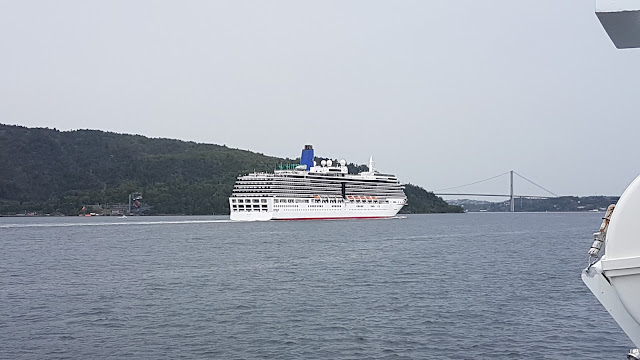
(309, 191)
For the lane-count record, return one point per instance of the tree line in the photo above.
(47, 171)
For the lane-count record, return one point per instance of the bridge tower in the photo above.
(512, 201)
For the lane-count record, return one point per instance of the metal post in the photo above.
(512, 200)
(130, 196)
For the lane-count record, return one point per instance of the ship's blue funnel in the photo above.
(307, 156)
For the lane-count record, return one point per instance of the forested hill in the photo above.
(424, 202)
(52, 172)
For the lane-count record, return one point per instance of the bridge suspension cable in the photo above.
(549, 191)
(493, 177)
(511, 195)
(473, 183)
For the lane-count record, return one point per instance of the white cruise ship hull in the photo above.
(310, 211)
(306, 191)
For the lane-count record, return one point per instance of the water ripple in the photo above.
(488, 286)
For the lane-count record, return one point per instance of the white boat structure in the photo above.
(309, 191)
(614, 278)
(613, 274)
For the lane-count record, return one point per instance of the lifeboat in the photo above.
(614, 278)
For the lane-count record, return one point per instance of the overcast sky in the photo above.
(441, 93)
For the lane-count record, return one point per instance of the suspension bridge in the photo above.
(512, 197)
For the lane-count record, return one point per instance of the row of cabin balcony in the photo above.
(311, 190)
(260, 194)
(335, 186)
(315, 178)
(307, 183)
(351, 190)
(316, 181)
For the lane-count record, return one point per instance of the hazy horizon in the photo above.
(440, 93)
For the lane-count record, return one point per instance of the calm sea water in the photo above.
(466, 286)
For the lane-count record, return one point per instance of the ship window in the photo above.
(256, 206)
(256, 200)
(240, 201)
(235, 206)
(233, 200)
(263, 200)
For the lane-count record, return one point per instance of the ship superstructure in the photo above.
(311, 191)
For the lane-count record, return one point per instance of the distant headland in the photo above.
(84, 172)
